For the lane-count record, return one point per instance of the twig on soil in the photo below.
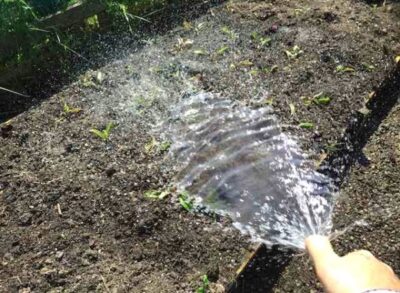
(59, 209)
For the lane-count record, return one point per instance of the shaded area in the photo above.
(51, 74)
(263, 270)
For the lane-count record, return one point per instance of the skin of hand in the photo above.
(355, 272)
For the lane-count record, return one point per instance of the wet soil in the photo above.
(371, 196)
(73, 215)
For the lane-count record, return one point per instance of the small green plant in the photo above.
(272, 69)
(157, 194)
(185, 201)
(294, 53)
(306, 125)
(263, 41)
(204, 286)
(227, 31)
(183, 43)
(200, 52)
(105, 133)
(245, 63)
(397, 59)
(318, 99)
(165, 145)
(368, 67)
(321, 99)
(342, 69)
(222, 50)
(70, 110)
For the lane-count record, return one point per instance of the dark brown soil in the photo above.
(73, 216)
(371, 196)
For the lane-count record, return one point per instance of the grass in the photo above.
(185, 201)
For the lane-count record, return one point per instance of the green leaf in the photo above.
(265, 41)
(222, 50)
(185, 202)
(306, 125)
(246, 63)
(157, 194)
(342, 68)
(321, 99)
(99, 133)
(165, 145)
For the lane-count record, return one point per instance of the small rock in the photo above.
(59, 255)
(25, 219)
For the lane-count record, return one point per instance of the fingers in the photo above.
(320, 250)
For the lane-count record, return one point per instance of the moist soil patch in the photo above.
(73, 212)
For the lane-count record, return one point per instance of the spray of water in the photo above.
(236, 161)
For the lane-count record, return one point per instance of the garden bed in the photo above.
(73, 210)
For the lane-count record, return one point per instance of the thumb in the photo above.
(320, 250)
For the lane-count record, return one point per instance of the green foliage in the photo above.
(294, 52)
(205, 284)
(185, 201)
(321, 99)
(342, 69)
(105, 133)
(306, 125)
(70, 110)
(157, 194)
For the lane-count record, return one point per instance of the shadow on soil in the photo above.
(44, 81)
(264, 269)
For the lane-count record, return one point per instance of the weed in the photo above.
(70, 110)
(342, 69)
(263, 41)
(204, 286)
(185, 201)
(294, 53)
(306, 125)
(157, 194)
(105, 133)
(269, 101)
(273, 69)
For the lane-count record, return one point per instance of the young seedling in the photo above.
(245, 63)
(165, 145)
(342, 69)
(70, 110)
(368, 67)
(397, 59)
(187, 26)
(263, 41)
(105, 133)
(157, 194)
(294, 53)
(204, 286)
(200, 52)
(185, 201)
(151, 145)
(321, 99)
(222, 50)
(306, 125)
(183, 43)
(227, 31)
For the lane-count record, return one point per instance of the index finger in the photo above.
(320, 249)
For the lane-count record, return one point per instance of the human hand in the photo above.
(355, 272)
